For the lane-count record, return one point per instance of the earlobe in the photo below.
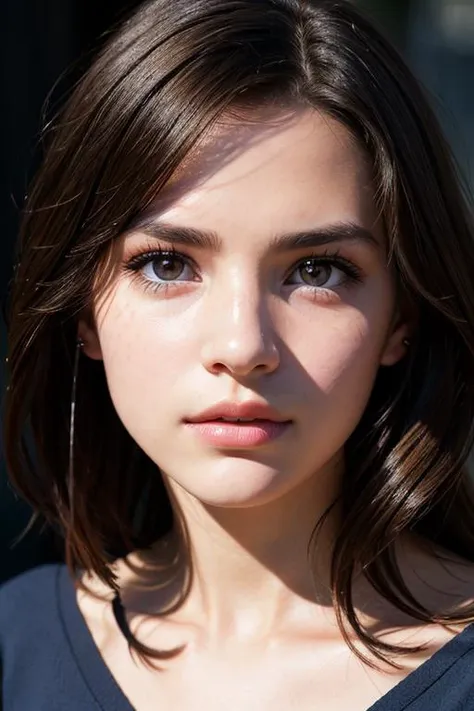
(396, 347)
(91, 344)
(399, 340)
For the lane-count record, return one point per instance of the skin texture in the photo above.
(243, 323)
(238, 332)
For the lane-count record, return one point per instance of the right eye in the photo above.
(166, 267)
(162, 267)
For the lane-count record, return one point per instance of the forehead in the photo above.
(287, 171)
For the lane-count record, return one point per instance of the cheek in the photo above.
(341, 368)
(345, 340)
(144, 356)
(339, 357)
(346, 352)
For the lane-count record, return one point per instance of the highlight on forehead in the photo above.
(235, 131)
(238, 129)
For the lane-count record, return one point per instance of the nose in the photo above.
(240, 337)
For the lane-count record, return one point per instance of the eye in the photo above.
(324, 273)
(160, 267)
(167, 267)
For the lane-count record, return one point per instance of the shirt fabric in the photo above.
(50, 662)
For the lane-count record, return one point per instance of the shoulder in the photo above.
(24, 588)
(30, 626)
(38, 666)
(28, 600)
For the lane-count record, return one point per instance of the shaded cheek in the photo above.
(343, 364)
(347, 357)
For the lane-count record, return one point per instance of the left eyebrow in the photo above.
(208, 240)
(337, 232)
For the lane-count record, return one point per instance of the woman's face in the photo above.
(258, 276)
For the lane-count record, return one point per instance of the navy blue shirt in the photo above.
(50, 661)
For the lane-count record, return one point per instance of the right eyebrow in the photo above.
(186, 236)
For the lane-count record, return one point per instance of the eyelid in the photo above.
(147, 254)
(352, 271)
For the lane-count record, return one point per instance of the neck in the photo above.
(258, 560)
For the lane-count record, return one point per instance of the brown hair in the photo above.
(156, 88)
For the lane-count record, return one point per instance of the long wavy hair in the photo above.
(159, 84)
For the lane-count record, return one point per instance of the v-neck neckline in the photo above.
(110, 697)
(94, 671)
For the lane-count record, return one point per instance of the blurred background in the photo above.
(41, 40)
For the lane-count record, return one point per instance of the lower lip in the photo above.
(235, 435)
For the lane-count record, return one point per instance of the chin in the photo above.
(236, 483)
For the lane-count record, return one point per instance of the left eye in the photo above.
(167, 267)
(313, 272)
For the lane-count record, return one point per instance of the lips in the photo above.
(244, 425)
(235, 412)
(238, 419)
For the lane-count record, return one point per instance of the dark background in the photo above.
(44, 45)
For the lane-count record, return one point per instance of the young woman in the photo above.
(242, 377)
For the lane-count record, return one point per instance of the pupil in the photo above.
(167, 268)
(315, 274)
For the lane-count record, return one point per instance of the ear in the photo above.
(87, 332)
(397, 343)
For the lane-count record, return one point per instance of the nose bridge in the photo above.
(239, 336)
(244, 295)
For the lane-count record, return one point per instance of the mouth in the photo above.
(238, 433)
(236, 425)
(240, 420)
(247, 411)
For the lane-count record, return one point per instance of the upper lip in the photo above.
(249, 409)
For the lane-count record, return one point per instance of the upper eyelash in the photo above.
(335, 258)
(139, 260)
(330, 257)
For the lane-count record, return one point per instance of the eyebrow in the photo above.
(209, 240)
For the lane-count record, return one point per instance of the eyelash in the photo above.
(353, 274)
